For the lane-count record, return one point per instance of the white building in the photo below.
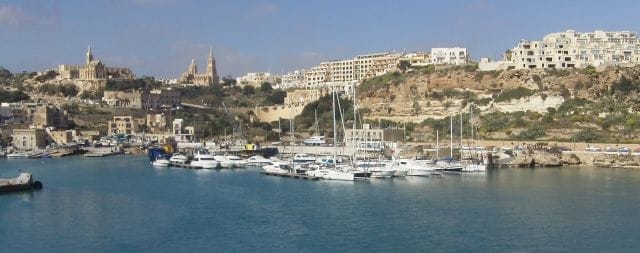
(576, 49)
(318, 74)
(452, 55)
(256, 79)
(293, 80)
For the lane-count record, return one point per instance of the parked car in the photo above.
(610, 149)
(624, 149)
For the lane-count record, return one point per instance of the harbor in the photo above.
(226, 207)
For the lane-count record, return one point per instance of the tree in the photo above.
(277, 97)
(69, 90)
(416, 108)
(248, 90)
(12, 96)
(228, 81)
(265, 87)
(403, 66)
(4, 73)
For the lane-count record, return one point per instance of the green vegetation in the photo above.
(511, 94)
(532, 133)
(142, 83)
(378, 82)
(306, 120)
(12, 96)
(65, 90)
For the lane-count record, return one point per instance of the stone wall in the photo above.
(273, 113)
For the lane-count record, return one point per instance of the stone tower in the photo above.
(89, 55)
(211, 68)
(193, 69)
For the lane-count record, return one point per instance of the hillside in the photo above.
(559, 104)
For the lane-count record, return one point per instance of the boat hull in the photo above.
(382, 174)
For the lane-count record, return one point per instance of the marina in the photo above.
(245, 210)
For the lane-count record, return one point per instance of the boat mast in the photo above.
(353, 132)
(333, 107)
(473, 140)
(451, 136)
(460, 135)
(437, 144)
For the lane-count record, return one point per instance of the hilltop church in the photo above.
(206, 79)
(93, 69)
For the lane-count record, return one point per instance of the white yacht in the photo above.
(160, 161)
(378, 169)
(331, 174)
(303, 158)
(224, 161)
(421, 168)
(179, 158)
(237, 161)
(277, 167)
(204, 160)
(449, 164)
(257, 160)
(315, 140)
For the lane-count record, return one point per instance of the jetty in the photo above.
(21, 183)
(291, 175)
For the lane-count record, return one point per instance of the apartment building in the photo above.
(449, 55)
(578, 49)
(318, 74)
(293, 79)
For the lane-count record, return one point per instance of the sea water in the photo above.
(123, 204)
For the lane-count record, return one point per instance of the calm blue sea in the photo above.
(122, 204)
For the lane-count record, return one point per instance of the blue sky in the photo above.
(159, 37)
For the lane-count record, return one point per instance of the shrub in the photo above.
(511, 94)
(532, 133)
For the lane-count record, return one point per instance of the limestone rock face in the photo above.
(410, 99)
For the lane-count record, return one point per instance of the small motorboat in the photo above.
(161, 161)
(179, 158)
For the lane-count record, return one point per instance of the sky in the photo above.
(159, 37)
